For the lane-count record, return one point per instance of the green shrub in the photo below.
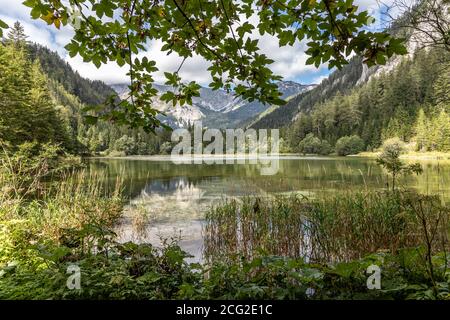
(125, 145)
(132, 271)
(390, 160)
(349, 145)
(261, 244)
(313, 145)
(24, 168)
(165, 148)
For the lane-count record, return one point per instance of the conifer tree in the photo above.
(442, 88)
(15, 120)
(442, 131)
(17, 34)
(422, 131)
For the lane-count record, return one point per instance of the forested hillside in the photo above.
(410, 102)
(87, 91)
(357, 108)
(339, 81)
(42, 100)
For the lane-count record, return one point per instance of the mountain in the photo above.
(71, 93)
(340, 81)
(354, 75)
(87, 91)
(215, 108)
(408, 98)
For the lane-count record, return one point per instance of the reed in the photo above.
(76, 200)
(327, 228)
(254, 224)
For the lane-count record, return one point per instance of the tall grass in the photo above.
(74, 211)
(340, 227)
(254, 224)
(77, 199)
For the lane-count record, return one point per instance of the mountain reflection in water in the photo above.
(168, 200)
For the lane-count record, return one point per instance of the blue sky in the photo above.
(289, 61)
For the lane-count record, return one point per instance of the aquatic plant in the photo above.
(327, 228)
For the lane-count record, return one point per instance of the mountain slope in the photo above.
(352, 75)
(340, 81)
(390, 103)
(216, 108)
(89, 92)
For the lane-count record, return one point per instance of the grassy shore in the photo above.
(411, 155)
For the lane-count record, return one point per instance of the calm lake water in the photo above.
(170, 200)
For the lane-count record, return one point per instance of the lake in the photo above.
(169, 200)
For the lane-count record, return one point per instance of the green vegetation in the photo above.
(71, 225)
(56, 217)
(410, 102)
(26, 110)
(337, 228)
(282, 248)
(332, 30)
(142, 272)
(42, 99)
(433, 133)
(349, 145)
(390, 160)
(314, 145)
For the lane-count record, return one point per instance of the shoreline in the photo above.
(431, 156)
(419, 156)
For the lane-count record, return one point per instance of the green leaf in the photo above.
(91, 120)
(3, 25)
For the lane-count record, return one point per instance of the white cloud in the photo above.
(110, 73)
(318, 80)
(290, 61)
(193, 69)
(34, 33)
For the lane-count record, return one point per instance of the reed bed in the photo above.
(73, 201)
(254, 224)
(328, 228)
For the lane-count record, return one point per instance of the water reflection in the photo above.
(167, 200)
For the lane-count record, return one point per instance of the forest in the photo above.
(49, 99)
(410, 102)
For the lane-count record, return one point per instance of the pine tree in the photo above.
(421, 129)
(27, 111)
(17, 34)
(15, 108)
(442, 131)
(442, 88)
